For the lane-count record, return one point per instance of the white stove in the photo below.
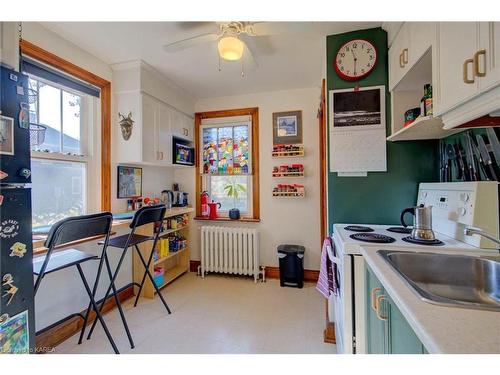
(455, 207)
(348, 245)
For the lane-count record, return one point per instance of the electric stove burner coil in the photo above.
(372, 237)
(399, 230)
(434, 242)
(358, 228)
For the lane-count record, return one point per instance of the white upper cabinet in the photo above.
(422, 37)
(457, 44)
(488, 56)
(149, 124)
(158, 111)
(156, 123)
(164, 134)
(182, 126)
(409, 45)
(464, 71)
(399, 57)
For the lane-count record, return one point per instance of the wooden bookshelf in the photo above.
(175, 263)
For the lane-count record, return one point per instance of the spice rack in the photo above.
(289, 191)
(284, 151)
(289, 171)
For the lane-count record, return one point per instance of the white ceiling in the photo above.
(287, 61)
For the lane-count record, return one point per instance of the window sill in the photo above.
(243, 219)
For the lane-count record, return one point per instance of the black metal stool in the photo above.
(146, 215)
(70, 230)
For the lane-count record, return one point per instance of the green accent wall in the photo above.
(379, 197)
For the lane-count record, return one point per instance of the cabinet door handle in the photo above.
(374, 301)
(466, 73)
(401, 64)
(405, 56)
(378, 303)
(477, 73)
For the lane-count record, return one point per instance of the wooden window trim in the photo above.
(46, 57)
(254, 112)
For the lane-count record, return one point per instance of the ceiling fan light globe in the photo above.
(230, 48)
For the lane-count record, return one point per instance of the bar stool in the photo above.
(145, 215)
(70, 230)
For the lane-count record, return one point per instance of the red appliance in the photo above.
(204, 204)
(213, 209)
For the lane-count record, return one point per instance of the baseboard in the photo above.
(271, 272)
(60, 331)
(310, 276)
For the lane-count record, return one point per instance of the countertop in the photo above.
(122, 220)
(441, 329)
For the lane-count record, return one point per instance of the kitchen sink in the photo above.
(450, 280)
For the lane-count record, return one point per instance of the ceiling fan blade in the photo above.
(190, 42)
(280, 28)
(250, 56)
(259, 45)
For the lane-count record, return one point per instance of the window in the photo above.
(62, 157)
(228, 157)
(226, 164)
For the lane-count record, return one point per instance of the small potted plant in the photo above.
(233, 190)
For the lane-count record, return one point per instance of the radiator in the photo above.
(230, 250)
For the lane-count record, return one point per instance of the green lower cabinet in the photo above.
(376, 327)
(388, 332)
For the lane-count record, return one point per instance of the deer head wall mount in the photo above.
(126, 124)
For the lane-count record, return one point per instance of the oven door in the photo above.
(341, 303)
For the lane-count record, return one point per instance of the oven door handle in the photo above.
(332, 257)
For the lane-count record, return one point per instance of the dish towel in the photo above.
(326, 284)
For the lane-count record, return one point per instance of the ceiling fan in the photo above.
(233, 38)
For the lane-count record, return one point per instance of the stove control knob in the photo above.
(464, 197)
(462, 211)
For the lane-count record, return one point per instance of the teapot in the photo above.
(422, 222)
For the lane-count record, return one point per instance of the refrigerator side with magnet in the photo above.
(17, 323)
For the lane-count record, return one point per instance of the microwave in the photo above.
(182, 152)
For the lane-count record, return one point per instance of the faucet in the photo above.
(471, 231)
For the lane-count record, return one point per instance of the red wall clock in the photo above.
(355, 59)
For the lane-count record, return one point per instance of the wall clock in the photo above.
(355, 59)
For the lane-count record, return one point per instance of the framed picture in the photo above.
(129, 182)
(6, 135)
(287, 127)
(364, 107)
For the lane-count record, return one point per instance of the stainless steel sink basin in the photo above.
(451, 280)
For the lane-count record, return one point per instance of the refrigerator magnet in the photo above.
(20, 90)
(3, 175)
(14, 332)
(24, 116)
(18, 250)
(8, 282)
(9, 228)
(6, 135)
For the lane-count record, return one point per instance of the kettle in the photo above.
(167, 198)
(213, 209)
(422, 222)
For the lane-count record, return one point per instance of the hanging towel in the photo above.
(326, 284)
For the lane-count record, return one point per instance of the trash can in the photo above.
(291, 258)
